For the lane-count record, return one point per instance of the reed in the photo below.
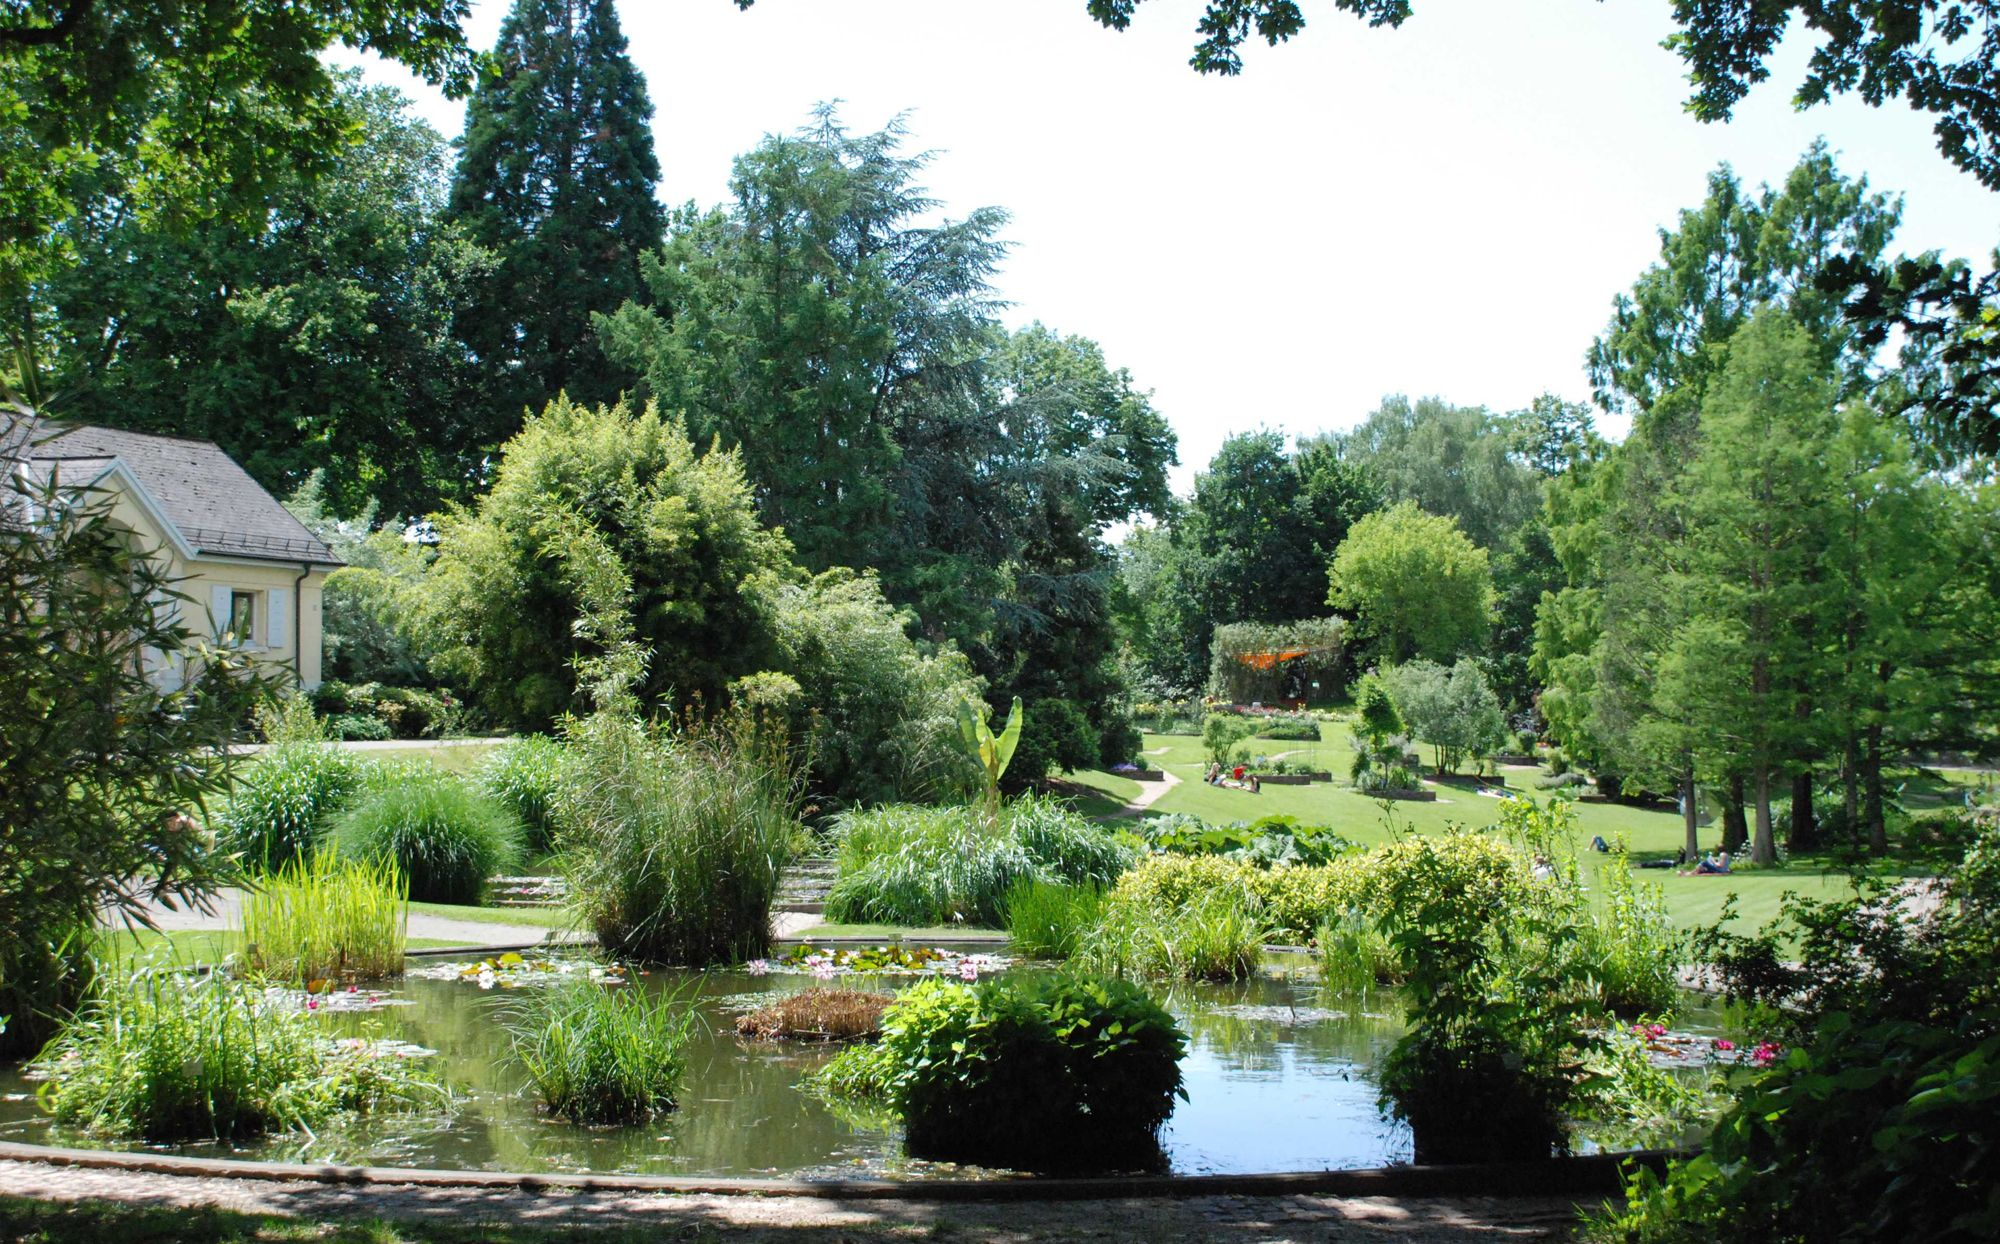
(328, 919)
(165, 1055)
(1050, 921)
(1212, 935)
(600, 1054)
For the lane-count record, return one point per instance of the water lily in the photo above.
(757, 967)
(1724, 1044)
(968, 970)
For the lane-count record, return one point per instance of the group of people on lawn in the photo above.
(1234, 777)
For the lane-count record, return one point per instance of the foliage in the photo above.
(1452, 710)
(1461, 462)
(1498, 999)
(817, 1015)
(1298, 729)
(1057, 735)
(285, 800)
(564, 197)
(1066, 1074)
(673, 839)
(913, 865)
(1417, 586)
(1354, 954)
(528, 777)
(103, 767)
(310, 339)
(327, 919)
(604, 492)
(877, 703)
(160, 1056)
(1875, 1122)
(1267, 841)
(1298, 901)
(1631, 943)
(1192, 918)
(405, 712)
(240, 85)
(1049, 920)
(602, 1054)
(443, 835)
(1264, 663)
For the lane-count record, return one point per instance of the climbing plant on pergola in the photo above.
(1257, 662)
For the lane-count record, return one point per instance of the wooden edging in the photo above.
(1600, 1173)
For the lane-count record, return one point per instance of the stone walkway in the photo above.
(821, 1221)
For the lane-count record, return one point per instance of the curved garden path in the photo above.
(814, 1220)
(1149, 794)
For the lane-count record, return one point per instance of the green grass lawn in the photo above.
(538, 917)
(458, 758)
(1694, 901)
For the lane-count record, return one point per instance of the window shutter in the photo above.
(218, 609)
(276, 627)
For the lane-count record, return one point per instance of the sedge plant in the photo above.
(599, 1055)
(328, 918)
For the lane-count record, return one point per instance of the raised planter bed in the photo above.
(1515, 758)
(1145, 775)
(1407, 796)
(1283, 779)
(1467, 781)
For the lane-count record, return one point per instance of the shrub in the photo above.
(1060, 1074)
(444, 836)
(1220, 734)
(673, 839)
(599, 1054)
(398, 712)
(284, 800)
(817, 1015)
(526, 777)
(913, 865)
(327, 920)
(1298, 900)
(1050, 921)
(358, 726)
(1055, 734)
(1630, 942)
(1303, 729)
(163, 1057)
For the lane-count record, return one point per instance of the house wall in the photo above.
(203, 584)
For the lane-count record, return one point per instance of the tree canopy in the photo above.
(1418, 587)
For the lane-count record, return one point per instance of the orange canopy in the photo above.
(1266, 660)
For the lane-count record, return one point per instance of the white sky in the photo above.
(1443, 209)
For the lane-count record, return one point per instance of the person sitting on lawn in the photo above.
(1716, 865)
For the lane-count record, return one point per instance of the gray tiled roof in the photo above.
(213, 503)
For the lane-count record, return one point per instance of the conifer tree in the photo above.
(556, 174)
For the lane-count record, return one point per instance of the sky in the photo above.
(1445, 209)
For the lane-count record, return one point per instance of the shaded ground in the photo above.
(81, 1205)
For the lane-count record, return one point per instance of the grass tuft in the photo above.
(328, 919)
(600, 1054)
(817, 1015)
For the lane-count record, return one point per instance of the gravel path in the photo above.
(801, 1219)
(1150, 793)
(225, 912)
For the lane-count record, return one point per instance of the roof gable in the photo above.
(212, 503)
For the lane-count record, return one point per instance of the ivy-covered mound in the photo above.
(1061, 1074)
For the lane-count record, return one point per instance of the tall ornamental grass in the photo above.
(167, 1056)
(905, 864)
(526, 777)
(1191, 918)
(284, 799)
(444, 836)
(600, 1055)
(1046, 920)
(328, 919)
(673, 839)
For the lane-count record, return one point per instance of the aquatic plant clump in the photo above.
(446, 837)
(327, 919)
(1061, 1074)
(598, 1055)
(1050, 921)
(163, 1056)
(817, 1015)
(827, 962)
(514, 971)
(1187, 917)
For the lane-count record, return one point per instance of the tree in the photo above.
(1416, 585)
(315, 338)
(878, 707)
(93, 87)
(556, 176)
(1458, 461)
(671, 534)
(1451, 709)
(822, 329)
(105, 766)
(1755, 528)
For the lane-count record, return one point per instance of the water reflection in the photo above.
(1277, 1079)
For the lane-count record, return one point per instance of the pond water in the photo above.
(1277, 1074)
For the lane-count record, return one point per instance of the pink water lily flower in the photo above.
(1724, 1044)
(968, 970)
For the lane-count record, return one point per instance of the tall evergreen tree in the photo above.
(556, 175)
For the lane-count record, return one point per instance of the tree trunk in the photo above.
(1871, 780)
(1735, 829)
(1805, 831)
(1763, 847)
(1690, 818)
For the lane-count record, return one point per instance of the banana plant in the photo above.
(991, 750)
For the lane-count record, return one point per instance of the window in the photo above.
(242, 616)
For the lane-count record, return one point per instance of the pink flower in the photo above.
(1724, 1045)
(312, 1003)
(823, 972)
(1767, 1053)
(1657, 1030)
(757, 967)
(968, 971)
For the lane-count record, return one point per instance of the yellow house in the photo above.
(250, 572)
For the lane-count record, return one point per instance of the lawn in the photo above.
(457, 758)
(1694, 901)
(539, 917)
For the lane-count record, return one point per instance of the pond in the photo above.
(1277, 1074)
